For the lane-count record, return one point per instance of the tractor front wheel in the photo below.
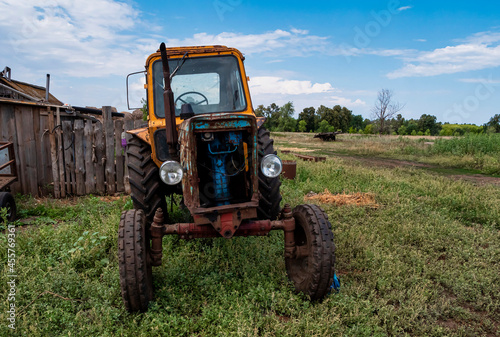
(136, 280)
(312, 269)
(7, 201)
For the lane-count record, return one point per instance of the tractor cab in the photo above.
(206, 84)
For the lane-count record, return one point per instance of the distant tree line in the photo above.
(325, 119)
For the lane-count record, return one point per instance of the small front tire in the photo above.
(136, 279)
(312, 270)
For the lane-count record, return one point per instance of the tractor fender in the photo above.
(260, 121)
(142, 134)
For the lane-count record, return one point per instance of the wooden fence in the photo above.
(64, 154)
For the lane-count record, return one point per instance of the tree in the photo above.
(272, 114)
(428, 122)
(286, 121)
(397, 123)
(495, 123)
(402, 130)
(144, 109)
(357, 122)
(309, 116)
(323, 126)
(385, 108)
(302, 126)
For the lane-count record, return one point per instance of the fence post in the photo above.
(68, 156)
(100, 157)
(110, 150)
(79, 158)
(120, 160)
(53, 155)
(89, 163)
(60, 155)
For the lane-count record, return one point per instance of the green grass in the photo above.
(470, 144)
(479, 152)
(426, 262)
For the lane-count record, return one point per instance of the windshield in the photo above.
(208, 84)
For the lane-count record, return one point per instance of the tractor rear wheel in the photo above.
(147, 190)
(312, 270)
(269, 188)
(7, 201)
(136, 280)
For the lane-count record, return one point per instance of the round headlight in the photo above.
(171, 172)
(271, 166)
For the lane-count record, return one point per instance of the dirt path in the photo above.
(477, 179)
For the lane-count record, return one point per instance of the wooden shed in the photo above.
(60, 150)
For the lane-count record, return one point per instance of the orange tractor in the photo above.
(204, 142)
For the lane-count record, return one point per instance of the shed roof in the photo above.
(25, 91)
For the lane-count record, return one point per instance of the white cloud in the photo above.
(347, 102)
(420, 40)
(274, 61)
(479, 51)
(296, 42)
(278, 85)
(273, 89)
(90, 46)
(299, 31)
(77, 38)
(347, 51)
(404, 8)
(489, 80)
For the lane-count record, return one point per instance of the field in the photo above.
(422, 260)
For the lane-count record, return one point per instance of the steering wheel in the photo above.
(205, 99)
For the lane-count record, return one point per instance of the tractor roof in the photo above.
(179, 51)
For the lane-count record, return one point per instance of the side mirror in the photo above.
(133, 94)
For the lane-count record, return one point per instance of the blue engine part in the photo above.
(222, 146)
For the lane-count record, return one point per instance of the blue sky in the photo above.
(439, 57)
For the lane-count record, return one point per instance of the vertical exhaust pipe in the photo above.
(47, 88)
(168, 97)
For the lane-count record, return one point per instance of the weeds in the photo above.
(479, 152)
(424, 263)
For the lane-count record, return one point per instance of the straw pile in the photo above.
(357, 199)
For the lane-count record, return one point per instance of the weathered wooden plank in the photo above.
(120, 159)
(37, 137)
(8, 133)
(53, 155)
(110, 150)
(79, 158)
(46, 161)
(128, 125)
(89, 163)
(60, 153)
(31, 164)
(100, 157)
(21, 159)
(69, 160)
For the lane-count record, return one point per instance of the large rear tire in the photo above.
(269, 188)
(7, 201)
(312, 273)
(147, 190)
(136, 280)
